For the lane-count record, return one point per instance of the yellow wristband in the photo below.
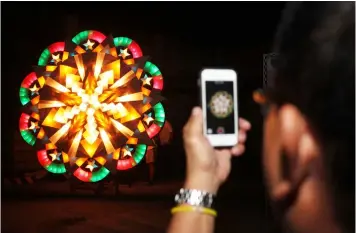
(188, 208)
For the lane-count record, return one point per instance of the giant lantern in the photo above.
(92, 106)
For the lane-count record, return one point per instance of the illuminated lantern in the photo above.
(92, 106)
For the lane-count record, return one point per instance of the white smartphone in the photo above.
(219, 104)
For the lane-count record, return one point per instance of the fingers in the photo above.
(244, 124)
(237, 150)
(194, 130)
(194, 126)
(242, 136)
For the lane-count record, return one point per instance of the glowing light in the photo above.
(91, 106)
(89, 45)
(147, 118)
(55, 156)
(56, 58)
(91, 165)
(124, 53)
(34, 125)
(147, 81)
(34, 88)
(126, 151)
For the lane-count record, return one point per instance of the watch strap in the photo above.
(195, 197)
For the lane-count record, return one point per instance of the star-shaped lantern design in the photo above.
(148, 118)
(55, 155)
(91, 102)
(127, 151)
(91, 165)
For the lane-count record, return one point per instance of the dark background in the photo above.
(213, 122)
(180, 37)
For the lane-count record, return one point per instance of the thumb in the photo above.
(194, 126)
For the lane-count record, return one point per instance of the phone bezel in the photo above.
(209, 74)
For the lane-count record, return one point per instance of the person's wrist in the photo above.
(202, 182)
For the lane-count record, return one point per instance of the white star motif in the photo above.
(34, 125)
(34, 88)
(147, 81)
(56, 58)
(124, 53)
(91, 165)
(54, 156)
(89, 45)
(147, 119)
(126, 152)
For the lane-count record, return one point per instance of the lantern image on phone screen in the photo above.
(221, 104)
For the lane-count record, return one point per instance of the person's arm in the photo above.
(207, 169)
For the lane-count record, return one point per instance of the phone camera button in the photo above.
(220, 130)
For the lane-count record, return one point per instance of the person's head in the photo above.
(309, 129)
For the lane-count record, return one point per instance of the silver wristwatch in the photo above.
(195, 198)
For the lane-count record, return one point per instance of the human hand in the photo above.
(208, 168)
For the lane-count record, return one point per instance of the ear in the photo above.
(300, 147)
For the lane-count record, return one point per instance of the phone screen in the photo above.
(220, 107)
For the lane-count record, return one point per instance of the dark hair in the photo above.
(315, 72)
